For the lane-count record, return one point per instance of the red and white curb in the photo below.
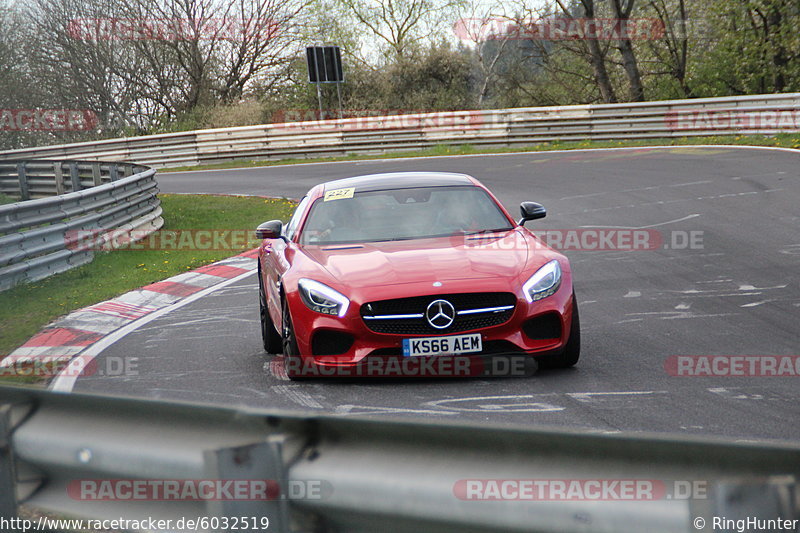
(83, 334)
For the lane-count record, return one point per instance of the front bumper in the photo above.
(534, 329)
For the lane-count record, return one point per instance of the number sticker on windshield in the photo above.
(339, 194)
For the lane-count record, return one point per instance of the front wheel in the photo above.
(572, 350)
(269, 335)
(291, 353)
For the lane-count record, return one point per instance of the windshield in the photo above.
(399, 214)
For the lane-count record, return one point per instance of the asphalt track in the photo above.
(735, 292)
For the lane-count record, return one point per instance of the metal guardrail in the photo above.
(376, 475)
(43, 236)
(26, 180)
(763, 114)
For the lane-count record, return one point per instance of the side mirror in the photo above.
(531, 211)
(270, 230)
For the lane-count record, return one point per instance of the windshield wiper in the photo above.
(483, 231)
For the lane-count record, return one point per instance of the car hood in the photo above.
(437, 259)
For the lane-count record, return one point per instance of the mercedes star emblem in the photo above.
(440, 314)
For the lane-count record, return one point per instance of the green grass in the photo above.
(5, 199)
(783, 140)
(26, 308)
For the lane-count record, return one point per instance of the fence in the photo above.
(64, 199)
(760, 114)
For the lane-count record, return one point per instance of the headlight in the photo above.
(322, 299)
(543, 283)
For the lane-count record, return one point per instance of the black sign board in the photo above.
(324, 64)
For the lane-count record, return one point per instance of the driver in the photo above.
(453, 216)
(342, 223)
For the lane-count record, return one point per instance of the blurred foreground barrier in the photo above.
(753, 114)
(63, 201)
(103, 457)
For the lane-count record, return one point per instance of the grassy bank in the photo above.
(25, 309)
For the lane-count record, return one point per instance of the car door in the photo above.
(277, 262)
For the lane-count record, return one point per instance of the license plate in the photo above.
(452, 345)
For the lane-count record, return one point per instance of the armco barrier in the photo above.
(71, 198)
(756, 114)
(331, 473)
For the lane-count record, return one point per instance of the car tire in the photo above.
(291, 353)
(572, 350)
(269, 335)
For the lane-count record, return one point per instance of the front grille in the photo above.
(417, 305)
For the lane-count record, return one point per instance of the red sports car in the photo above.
(411, 267)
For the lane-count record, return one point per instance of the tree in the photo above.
(592, 50)
(756, 48)
(472, 27)
(220, 51)
(437, 79)
(403, 25)
(670, 52)
(622, 9)
(78, 72)
(10, 58)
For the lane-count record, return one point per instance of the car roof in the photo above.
(400, 180)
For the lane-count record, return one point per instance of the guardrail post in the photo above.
(758, 498)
(113, 172)
(261, 462)
(23, 182)
(75, 177)
(8, 491)
(96, 174)
(58, 174)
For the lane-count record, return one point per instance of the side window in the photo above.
(291, 228)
